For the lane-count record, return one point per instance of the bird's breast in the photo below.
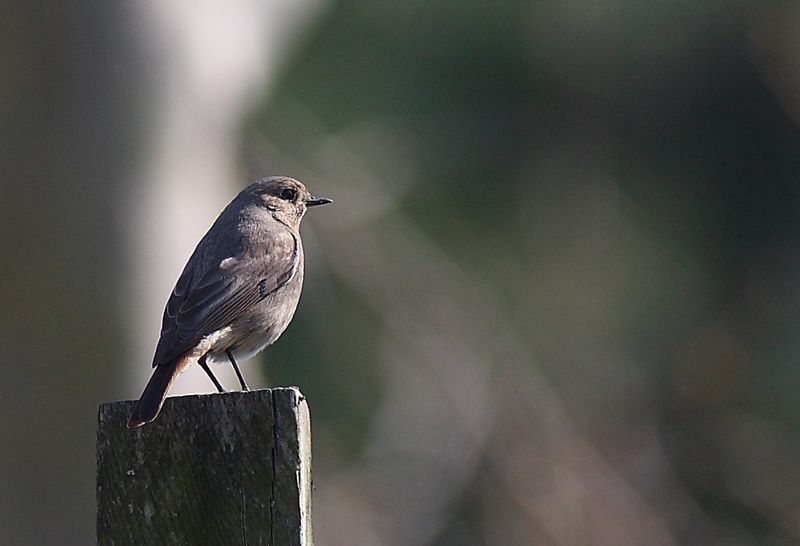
(262, 326)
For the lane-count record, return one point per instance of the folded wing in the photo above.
(209, 296)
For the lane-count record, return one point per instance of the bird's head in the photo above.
(285, 198)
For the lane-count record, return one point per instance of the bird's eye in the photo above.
(289, 194)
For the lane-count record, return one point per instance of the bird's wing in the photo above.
(203, 302)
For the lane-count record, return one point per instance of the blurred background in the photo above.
(556, 301)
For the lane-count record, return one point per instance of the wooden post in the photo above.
(220, 469)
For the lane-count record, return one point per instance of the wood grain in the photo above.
(219, 469)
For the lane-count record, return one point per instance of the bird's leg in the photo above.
(236, 369)
(205, 367)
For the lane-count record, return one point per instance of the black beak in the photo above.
(314, 201)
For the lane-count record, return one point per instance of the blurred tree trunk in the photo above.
(69, 82)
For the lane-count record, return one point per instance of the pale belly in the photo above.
(248, 336)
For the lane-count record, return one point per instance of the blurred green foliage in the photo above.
(621, 180)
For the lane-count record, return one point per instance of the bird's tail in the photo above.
(152, 398)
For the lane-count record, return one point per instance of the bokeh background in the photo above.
(556, 302)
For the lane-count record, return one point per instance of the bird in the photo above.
(237, 292)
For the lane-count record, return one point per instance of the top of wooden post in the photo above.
(217, 469)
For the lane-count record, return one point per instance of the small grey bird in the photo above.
(237, 292)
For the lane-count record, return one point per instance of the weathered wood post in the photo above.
(221, 469)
